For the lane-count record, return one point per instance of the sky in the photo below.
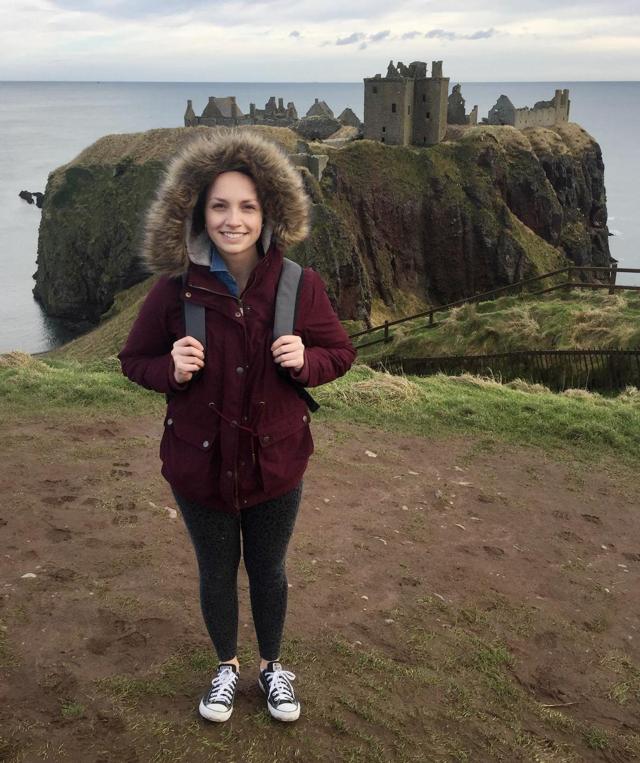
(317, 40)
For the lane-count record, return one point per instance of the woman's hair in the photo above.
(197, 218)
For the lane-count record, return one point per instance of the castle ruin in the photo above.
(543, 113)
(406, 106)
(456, 114)
(225, 112)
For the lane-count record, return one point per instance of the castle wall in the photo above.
(388, 107)
(543, 114)
(431, 103)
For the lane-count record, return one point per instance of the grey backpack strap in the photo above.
(287, 298)
(194, 323)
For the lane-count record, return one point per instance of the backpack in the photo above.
(289, 287)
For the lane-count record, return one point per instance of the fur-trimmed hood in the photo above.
(168, 241)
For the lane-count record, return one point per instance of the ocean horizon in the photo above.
(44, 124)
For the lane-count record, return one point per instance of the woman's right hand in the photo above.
(188, 358)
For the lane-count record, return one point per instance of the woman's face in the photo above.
(233, 215)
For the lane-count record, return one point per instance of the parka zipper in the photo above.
(236, 497)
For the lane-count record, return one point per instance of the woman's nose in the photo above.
(233, 216)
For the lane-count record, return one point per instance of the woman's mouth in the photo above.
(232, 236)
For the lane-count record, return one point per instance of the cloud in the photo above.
(442, 34)
(378, 36)
(295, 33)
(411, 35)
(351, 39)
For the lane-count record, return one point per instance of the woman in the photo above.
(236, 440)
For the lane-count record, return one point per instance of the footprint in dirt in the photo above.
(58, 500)
(631, 557)
(570, 536)
(494, 551)
(592, 518)
(560, 514)
(59, 534)
(121, 473)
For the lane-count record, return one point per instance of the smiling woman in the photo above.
(237, 439)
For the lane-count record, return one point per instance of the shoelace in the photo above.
(222, 687)
(279, 687)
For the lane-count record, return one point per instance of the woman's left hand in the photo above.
(288, 352)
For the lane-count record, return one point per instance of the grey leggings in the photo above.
(265, 530)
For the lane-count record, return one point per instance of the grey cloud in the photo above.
(351, 39)
(411, 35)
(362, 46)
(442, 34)
(379, 36)
(295, 33)
(482, 35)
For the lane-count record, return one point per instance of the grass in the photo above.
(584, 425)
(572, 321)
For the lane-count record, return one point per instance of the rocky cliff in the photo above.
(393, 228)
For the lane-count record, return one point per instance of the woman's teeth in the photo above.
(232, 235)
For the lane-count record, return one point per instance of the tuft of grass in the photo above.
(596, 738)
(71, 710)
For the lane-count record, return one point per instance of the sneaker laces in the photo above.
(222, 687)
(279, 687)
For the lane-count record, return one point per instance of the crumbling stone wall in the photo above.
(456, 114)
(543, 114)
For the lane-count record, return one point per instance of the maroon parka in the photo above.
(238, 433)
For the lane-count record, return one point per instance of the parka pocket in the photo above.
(187, 447)
(284, 449)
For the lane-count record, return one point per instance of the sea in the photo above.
(46, 124)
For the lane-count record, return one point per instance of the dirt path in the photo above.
(405, 558)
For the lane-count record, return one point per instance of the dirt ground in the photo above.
(397, 536)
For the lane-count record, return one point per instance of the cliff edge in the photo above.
(394, 228)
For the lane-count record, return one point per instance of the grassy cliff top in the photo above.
(569, 138)
(161, 143)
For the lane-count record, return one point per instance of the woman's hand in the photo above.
(188, 357)
(288, 352)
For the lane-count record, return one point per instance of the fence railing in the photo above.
(557, 369)
(609, 281)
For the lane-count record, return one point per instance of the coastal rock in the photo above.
(394, 228)
(32, 197)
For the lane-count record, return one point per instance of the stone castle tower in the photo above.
(406, 106)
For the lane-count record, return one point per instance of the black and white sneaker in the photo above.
(217, 703)
(276, 684)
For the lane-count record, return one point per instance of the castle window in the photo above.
(382, 139)
(384, 129)
(393, 108)
(375, 90)
(428, 115)
(424, 98)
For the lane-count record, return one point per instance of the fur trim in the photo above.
(168, 245)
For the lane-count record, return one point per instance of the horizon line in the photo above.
(291, 82)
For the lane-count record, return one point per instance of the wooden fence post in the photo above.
(569, 276)
(613, 272)
(386, 331)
